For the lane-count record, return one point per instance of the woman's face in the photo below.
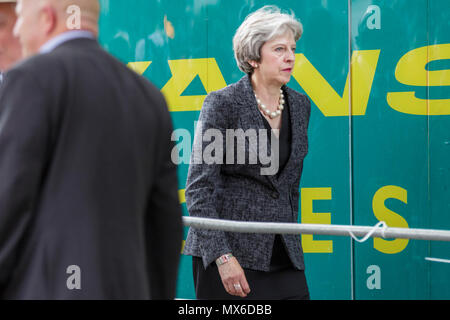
(277, 60)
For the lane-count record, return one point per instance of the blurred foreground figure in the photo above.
(10, 50)
(89, 204)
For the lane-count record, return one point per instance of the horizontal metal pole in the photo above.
(319, 229)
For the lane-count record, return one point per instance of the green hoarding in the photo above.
(379, 134)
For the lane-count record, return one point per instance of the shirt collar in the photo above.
(51, 44)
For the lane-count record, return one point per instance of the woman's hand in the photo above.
(233, 278)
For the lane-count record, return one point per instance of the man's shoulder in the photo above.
(35, 62)
(67, 63)
(43, 68)
(27, 70)
(58, 60)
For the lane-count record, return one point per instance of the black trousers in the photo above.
(284, 284)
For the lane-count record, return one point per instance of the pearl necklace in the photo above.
(267, 112)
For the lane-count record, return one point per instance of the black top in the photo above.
(280, 258)
(285, 138)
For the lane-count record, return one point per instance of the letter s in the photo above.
(391, 218)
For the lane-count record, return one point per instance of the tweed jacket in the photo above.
(239, 191)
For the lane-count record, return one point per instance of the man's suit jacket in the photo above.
(239, 191)
(89, 204)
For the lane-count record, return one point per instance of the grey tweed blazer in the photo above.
(239, 191)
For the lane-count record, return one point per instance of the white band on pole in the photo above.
(380, 224)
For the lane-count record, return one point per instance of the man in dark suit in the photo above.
(89, 204)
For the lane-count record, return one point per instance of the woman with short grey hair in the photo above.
(244, 265)
(259, 27)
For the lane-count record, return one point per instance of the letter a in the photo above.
(74, 20)
(374, 21)
(74, 281)
(374, 280)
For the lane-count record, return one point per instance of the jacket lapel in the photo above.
(248, 111)
(294, 117)
(251, 118)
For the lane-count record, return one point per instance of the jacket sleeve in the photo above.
(307, 103)
(204, 181)
(24, 144)
(164, 225)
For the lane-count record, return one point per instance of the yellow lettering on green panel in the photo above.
(308, 195)
(391, 218)
(411, 70)
(181, 195)
(139, 66)
(330, 103)
(183, 72)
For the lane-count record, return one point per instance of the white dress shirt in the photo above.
(64, 37)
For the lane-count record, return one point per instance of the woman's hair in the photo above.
(259, 27)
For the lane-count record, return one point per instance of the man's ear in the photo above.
(49, 19)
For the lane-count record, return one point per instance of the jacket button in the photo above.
(275, 195)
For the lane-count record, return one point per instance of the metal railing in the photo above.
(319, 229)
